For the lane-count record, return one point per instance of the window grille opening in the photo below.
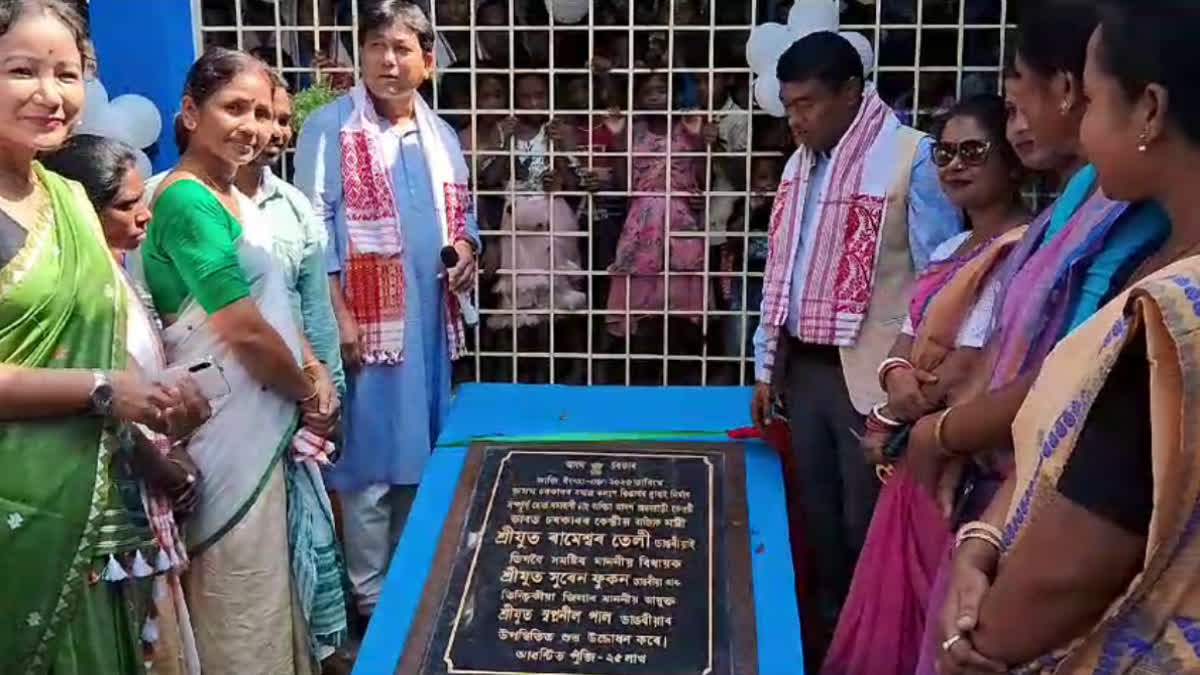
(620, 246)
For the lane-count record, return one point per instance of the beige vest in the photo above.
(892, 290)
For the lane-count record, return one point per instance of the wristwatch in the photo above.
(100, 401)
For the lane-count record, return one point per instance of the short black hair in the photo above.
(1154, 41)
(99, 164)
(989, 111)
(376, 15)
(1054, 34)
(481, 5)
(544, 78)
(824, 56)
(1008, 68)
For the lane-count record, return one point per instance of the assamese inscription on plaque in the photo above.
(589, 561)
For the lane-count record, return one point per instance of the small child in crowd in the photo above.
(525, 281)
(747, 253)
(639, 286)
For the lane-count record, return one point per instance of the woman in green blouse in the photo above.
(208, 265)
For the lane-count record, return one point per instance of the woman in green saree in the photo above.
(107, 170)
(75, 546)
(209, 264)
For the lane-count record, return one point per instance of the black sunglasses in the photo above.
(972, 152)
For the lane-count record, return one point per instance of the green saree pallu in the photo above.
(61, 306)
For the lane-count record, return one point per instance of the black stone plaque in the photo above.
(591, 559)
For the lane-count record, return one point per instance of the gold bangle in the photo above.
(315, 393)
(939, 429)
(982, 525)
(981, 536)
(977, 529)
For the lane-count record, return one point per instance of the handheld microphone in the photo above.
(470, 313)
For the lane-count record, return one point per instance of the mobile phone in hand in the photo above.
(206, 373)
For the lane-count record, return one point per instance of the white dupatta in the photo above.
(251, 427)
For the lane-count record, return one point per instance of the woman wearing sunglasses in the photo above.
(1075, 257)
(930, 366)
(1106, 444)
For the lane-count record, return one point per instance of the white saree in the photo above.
(239, 585)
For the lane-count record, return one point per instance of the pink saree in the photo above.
(879, 630)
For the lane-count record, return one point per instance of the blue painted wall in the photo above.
(146, 47)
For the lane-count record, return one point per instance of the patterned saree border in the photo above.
(1126, 644)
(76, 573)
(1125, 637)
(37, 237)
(80, 563)
(281, 450)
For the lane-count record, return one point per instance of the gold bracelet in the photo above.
(316, 392)
(939, 429)
(981, 536)
(311, 365)
(978, 529)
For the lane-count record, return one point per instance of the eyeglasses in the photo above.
(972, 152)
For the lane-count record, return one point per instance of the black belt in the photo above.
(811, 352)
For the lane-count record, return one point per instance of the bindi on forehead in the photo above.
(44, 50)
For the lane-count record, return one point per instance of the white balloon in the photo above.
(766, 93)
(862, 45)
(813, 16)
(94, 102)
(144, 166)
(94, 90)
(103, 121)
(567, 11)
(117, 128)
(140, 118)
(767, 43)
(92, 113)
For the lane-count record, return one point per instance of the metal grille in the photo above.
(551, 309)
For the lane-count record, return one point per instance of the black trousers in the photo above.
(836, 487)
